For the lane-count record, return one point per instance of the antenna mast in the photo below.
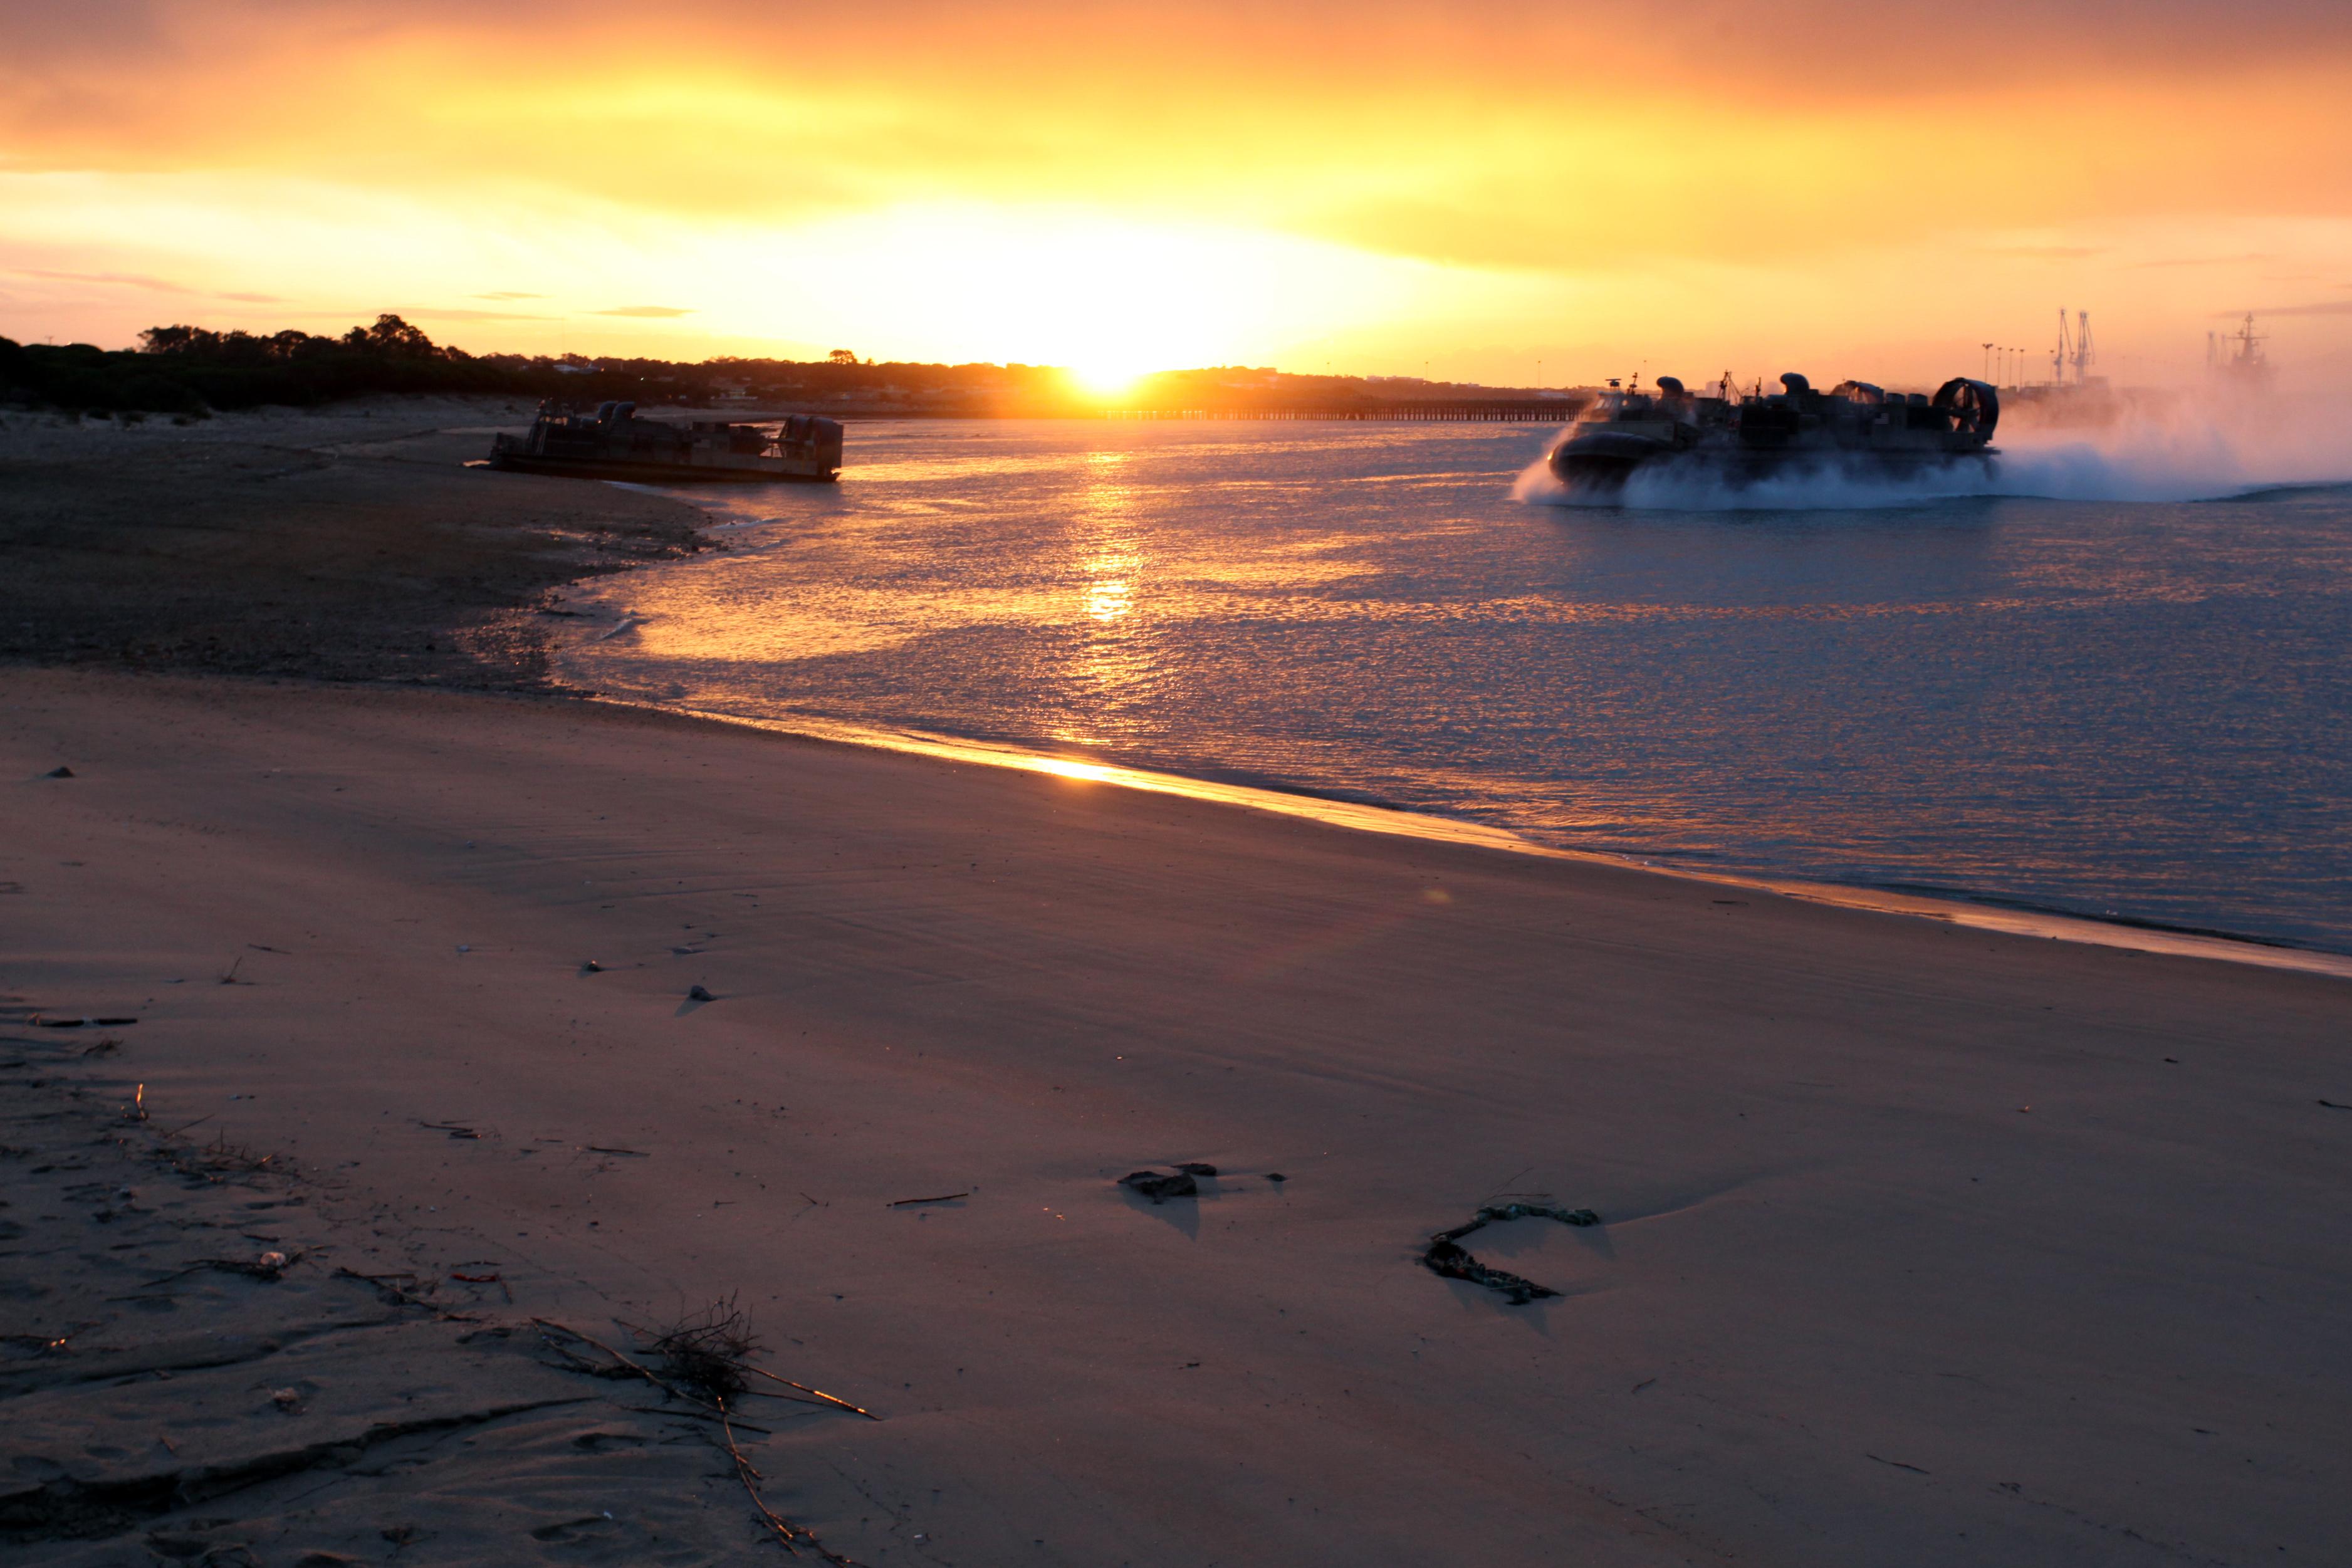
(2082, 352)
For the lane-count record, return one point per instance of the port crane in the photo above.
(2073, 353)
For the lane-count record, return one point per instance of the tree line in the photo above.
(191, 371)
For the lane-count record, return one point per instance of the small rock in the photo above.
(697, 993)
(60, 772)
(287, 1399)
(592, 967)
(1159, 1187)
(1194, 1168)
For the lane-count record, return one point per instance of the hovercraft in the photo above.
(1854, 429)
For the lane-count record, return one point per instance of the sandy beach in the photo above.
(344, 543)
(1915, 1244)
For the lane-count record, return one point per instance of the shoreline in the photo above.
(502, 631)
(1988, 913)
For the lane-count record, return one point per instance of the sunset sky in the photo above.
(1495, 191)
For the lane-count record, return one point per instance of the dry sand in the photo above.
(1920, 1245)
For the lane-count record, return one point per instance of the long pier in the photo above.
(1503, 411)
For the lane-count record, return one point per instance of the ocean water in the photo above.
(2117, 686)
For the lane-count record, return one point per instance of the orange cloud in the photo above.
(1875, 154)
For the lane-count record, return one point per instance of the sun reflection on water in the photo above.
(1113, 663)
(1364, 612)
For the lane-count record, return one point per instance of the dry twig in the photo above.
(820, 1393)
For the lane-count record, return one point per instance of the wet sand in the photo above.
(349, 544)
(1917, 1244)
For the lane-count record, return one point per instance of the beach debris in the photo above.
(2334, 1106)
(269, 1268)
(389, 1293)
(632, 1153)
(1276, 1177)
(706, 1350)
(287, 1399)
(592, 967)
(137, 1110)
(910, 1202)
(59, 772)
(819, 1394)
(697, 993)
(1160, 1186)
(213, 1159)
(1448, 1257)
(455, 1130)
(719, 1328)
(474, 1278)
(104, 1047)
(43, 1021)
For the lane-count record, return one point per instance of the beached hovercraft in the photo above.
(613, 443)
(1854, 429)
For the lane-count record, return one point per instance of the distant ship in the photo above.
(613, 443)
(2235, 363)
(1854, 428)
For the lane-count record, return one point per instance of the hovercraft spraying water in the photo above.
(1854, 429)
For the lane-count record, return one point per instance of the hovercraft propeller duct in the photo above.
(1975, 407)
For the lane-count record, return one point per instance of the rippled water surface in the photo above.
(2114, 707)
